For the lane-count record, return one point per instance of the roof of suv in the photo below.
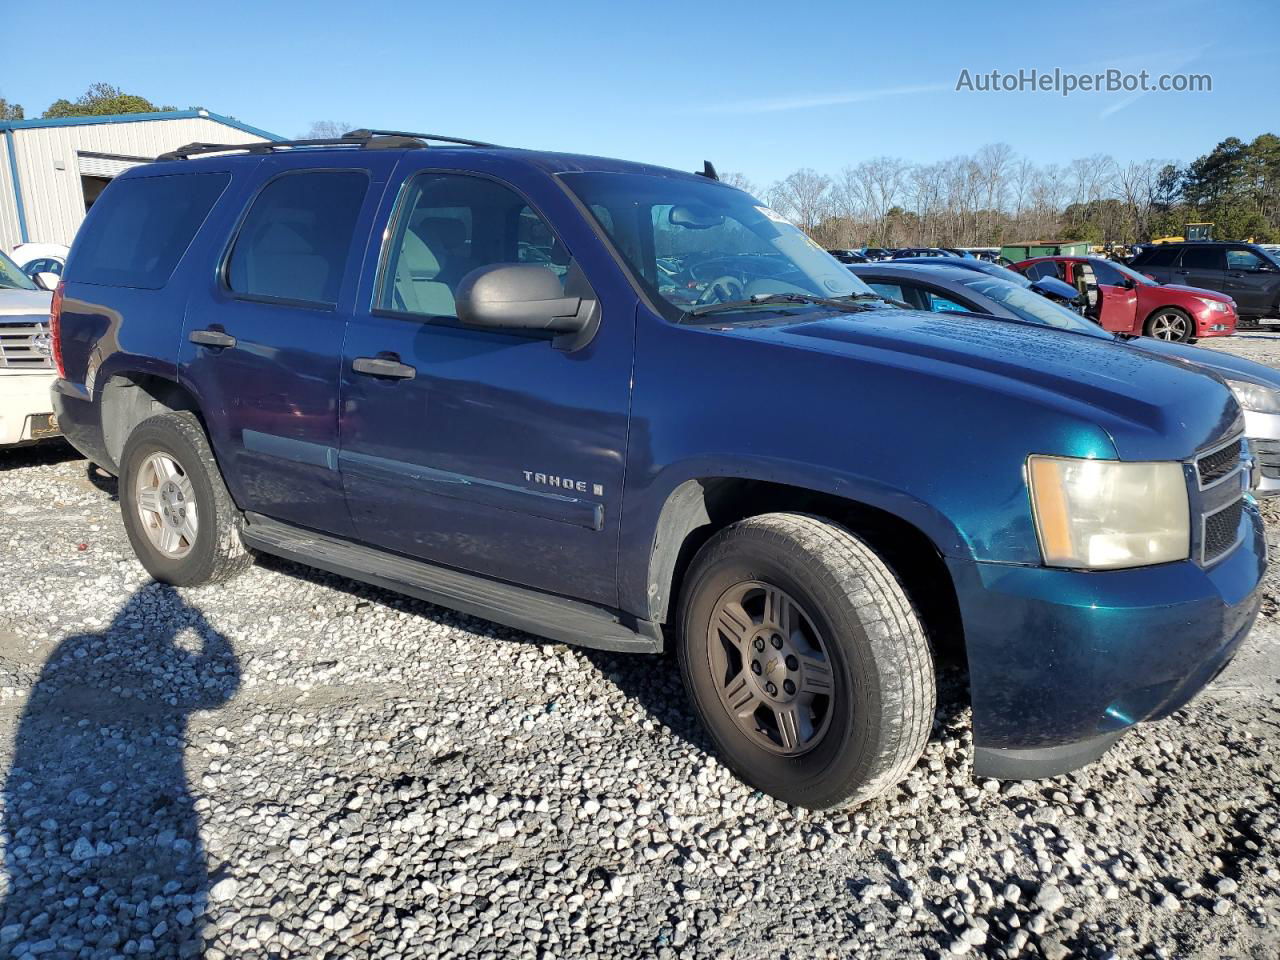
(196, 156)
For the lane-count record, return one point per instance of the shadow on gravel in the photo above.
(43, 454)
(102, 848)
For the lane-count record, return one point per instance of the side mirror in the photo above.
(47, 280)
(519, 296)
(1127, 283)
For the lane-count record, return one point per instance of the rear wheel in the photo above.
(1172, 324)
(805, 660)
(177, 512)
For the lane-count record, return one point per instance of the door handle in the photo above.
(383, 367)
(212, 338)
(1182, 273)
(1238, 276)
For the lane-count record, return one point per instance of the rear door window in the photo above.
(295, 241)
(1045, 268)
(1162, 256)
(1202, 258)
(140, 227)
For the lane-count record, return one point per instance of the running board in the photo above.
(533, 611)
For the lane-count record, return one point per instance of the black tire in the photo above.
(1150, 328)
(883, 685)
(217, 552)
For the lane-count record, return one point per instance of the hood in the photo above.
(1153, 407)
(24, 303)
(1197, 292)
(1226, 365)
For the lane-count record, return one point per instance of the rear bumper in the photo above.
(22, 397)
(1062, 662)
(80, 422)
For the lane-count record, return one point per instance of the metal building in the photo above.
(51, 171)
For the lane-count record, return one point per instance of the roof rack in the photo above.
(365, 133)
(357, 139)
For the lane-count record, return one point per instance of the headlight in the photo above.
(1255, 397)
(1215, 306)
(1106, 514)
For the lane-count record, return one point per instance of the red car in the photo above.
(1124, 301)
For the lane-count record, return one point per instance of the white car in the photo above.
(26, 364)
(34, 259)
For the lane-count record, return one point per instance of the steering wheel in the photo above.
(723, 289)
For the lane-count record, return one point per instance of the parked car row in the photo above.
(26, 370)
(950, 289)
(627, 407)
(1122, 300)
(877, 254)
(1246, 273)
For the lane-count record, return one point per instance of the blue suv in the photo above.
(628, 407)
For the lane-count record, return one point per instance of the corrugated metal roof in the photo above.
(136, 118)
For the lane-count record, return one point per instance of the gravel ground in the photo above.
(295, 765)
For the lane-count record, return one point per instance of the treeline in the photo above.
(994, 197)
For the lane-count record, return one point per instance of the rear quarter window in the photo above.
(140, 227)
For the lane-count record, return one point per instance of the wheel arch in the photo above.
(699, 508)
(129, 397)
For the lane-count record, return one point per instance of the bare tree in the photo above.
(870, 190)
(804, 197)
(326, 130)
(739, 180)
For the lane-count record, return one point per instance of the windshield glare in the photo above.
(1034, 308)
(13, 278)
(694, 243)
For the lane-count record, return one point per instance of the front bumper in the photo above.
(1211, 323)
(24, 407)
(1061, 662)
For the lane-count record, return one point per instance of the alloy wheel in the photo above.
(771, 668)
(166, 505)
(1169, 326)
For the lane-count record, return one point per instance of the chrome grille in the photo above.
(1221, 529)
(24, 345)
(1222, 478)
(1212, 467)
(1268, 454)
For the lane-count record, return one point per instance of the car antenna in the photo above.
(708, 170)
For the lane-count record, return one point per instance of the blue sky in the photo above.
(759, 88)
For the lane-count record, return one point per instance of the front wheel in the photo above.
(1172, 324)
(805, 660)
(177, 511)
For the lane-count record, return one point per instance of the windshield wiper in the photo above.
(844, 304)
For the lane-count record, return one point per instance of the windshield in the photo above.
(694, 243)
(13, 278)
(1032, 307)
(1132, 274)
